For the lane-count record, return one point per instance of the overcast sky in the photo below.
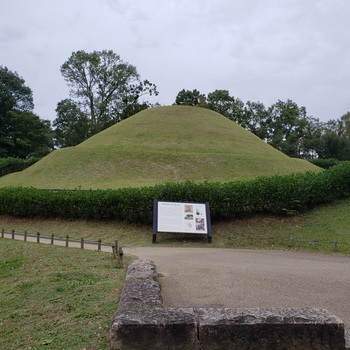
(259, 50)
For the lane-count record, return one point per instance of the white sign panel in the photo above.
(182, 217)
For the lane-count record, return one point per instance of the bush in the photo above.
(325, 163)
(10, 165)
(276, 195)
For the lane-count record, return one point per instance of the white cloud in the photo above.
(257, 49)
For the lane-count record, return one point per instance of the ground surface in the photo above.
(251, 278)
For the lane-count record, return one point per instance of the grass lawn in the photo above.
(56, 298)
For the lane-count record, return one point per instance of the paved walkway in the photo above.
(251, 278)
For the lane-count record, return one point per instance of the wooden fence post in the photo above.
(99, 244)
(82, 243)
(2, 233)
(13, 233)
(25, 235)
(52, 238)
(38, 237)
(115, 248)
(67, 241)
(121, 256)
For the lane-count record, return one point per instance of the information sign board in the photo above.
(178, 217)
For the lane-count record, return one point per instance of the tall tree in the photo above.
(26, 135)
(22, 133)
(256, 119)
(332, 146)
(286, 127)
(344, 126)
(102, 83)
(229, 106)
(14, 94)
(335, 139)
(311, 141)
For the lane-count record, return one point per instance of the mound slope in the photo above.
(175, 143)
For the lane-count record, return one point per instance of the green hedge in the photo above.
(277, 195)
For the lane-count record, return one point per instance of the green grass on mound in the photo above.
(176, 143)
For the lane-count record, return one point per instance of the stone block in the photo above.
(142, 323)
(140, 295)
(162, 329)
(347, 339)
(142, 269)
(270, 329)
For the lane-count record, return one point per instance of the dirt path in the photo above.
(251, 278)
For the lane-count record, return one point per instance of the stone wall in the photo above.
(141, 323)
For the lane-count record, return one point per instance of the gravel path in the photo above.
(251, 278)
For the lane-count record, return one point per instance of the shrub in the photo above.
(325, 163)
(276, 195)
(10, 165)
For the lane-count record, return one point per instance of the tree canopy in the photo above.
(284, 125)
(22, 133)
(103, 88)
(189, 98)
(222, 102)
(14, 94)
(26, 135)
(72, 126)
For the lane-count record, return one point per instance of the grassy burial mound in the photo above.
(175, 143)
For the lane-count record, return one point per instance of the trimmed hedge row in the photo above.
(277, 195)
